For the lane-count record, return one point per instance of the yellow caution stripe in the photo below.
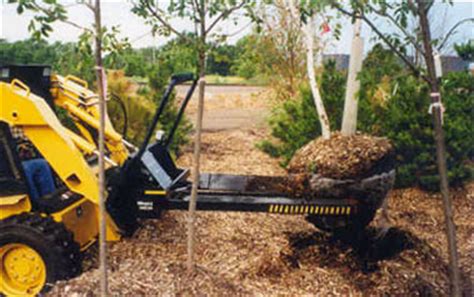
(155, 192)
(309, 209)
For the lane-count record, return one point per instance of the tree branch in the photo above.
(404, 58)
(50, 14)
(90, 6)
(195, 11)
(429, 5)
(163, 21)
(224, 14)
(389, 17)
(452, 31)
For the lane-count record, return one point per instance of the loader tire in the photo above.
(35, 252)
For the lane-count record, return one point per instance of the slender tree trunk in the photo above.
(101, 85)
(308, 32)
(440, 150)
(197, 141)
(318, 102)
(349, 118)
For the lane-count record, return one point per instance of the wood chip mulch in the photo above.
(247, 254)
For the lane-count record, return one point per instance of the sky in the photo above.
(117, 12)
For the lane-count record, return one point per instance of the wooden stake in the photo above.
(195, 175)
(101, 85)
(197, 141)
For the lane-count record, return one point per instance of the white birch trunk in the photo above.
(308, 30)
(349, 118)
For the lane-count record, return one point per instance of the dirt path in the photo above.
(267, 255)
(230, 107)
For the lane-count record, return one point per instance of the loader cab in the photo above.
(12, 180)
(37, 77)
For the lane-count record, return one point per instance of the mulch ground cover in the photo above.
(247, 254)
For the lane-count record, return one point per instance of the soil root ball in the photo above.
(342, 157)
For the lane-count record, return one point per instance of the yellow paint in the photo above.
(14, 205)
(22, 270)
(91, 121)
(42, 127)
(153, 192)
(270, 208)
(348, 210)
(81, 219)
(77, 80)
(81, 143)
(17, 83)
(12, 199)
(286, 209)
(72, 94)
(85, 133)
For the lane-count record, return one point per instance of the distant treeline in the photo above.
(176, 55)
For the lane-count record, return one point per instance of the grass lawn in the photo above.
(233, 80)
(215, 79)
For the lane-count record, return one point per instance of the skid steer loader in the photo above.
(42, 235)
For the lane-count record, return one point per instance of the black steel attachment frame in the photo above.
(150, 182)
(220, 192)
(151, 205)
(125, 184)
(175, 80)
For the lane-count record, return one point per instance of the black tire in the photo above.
(344, 224)
(51, 240)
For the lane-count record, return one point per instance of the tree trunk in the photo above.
(197, 142)
(318, 102)
(440, 151)
(349, 118)
(101, 86)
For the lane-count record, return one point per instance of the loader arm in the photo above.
(73, 95)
